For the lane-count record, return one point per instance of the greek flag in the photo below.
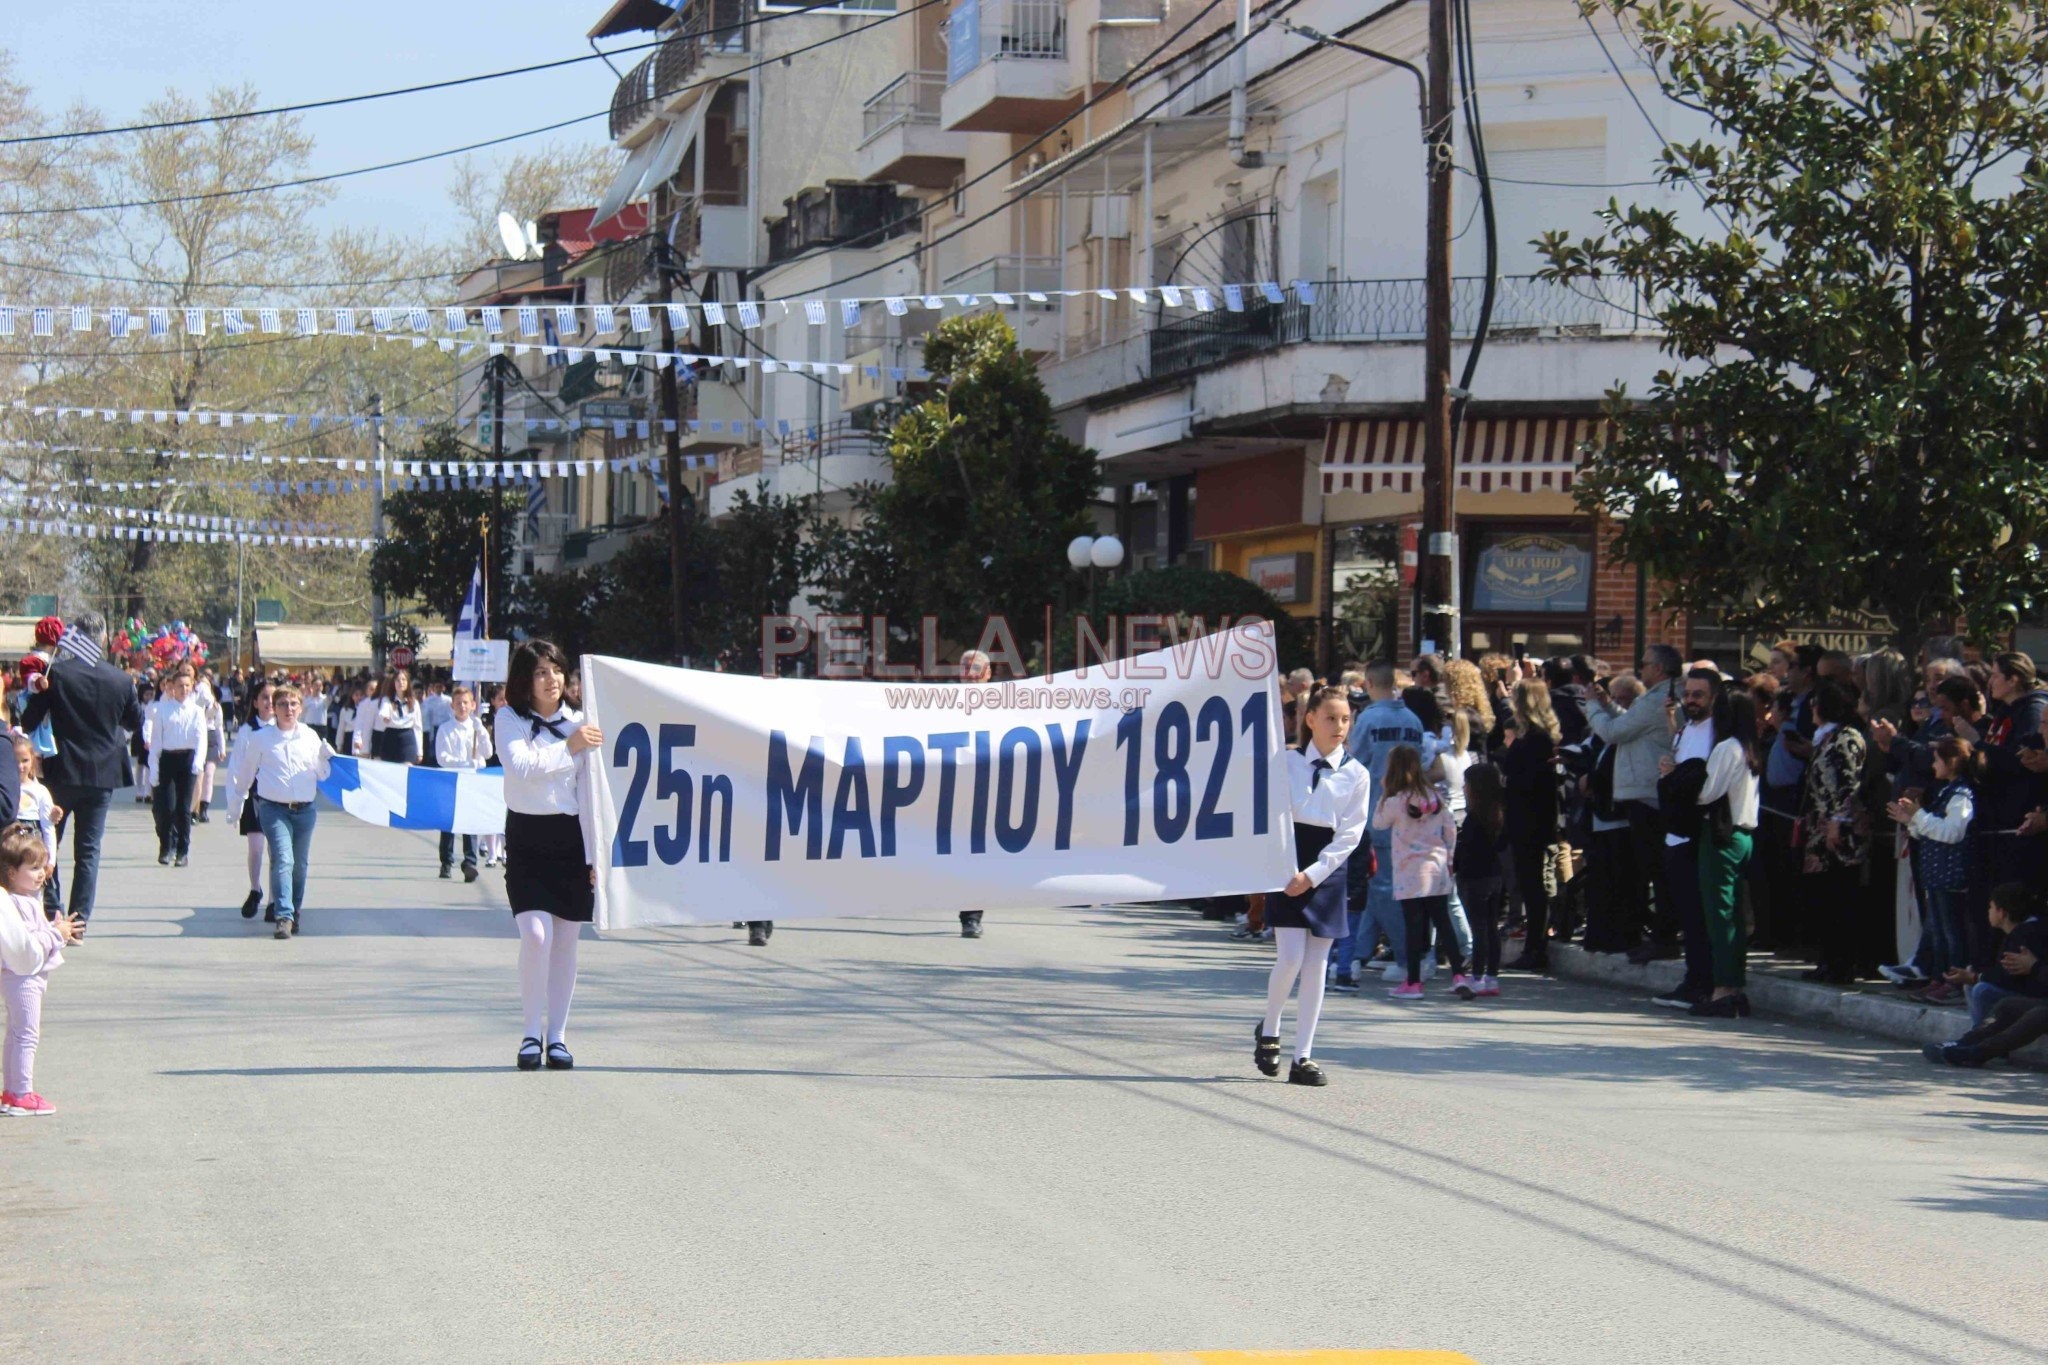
(536, 508)
(469, 622)
(403, 796)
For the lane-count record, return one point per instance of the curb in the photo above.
(1803, 1001)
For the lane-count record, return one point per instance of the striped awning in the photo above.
(1494, 455)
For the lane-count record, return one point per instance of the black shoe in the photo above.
(1528, 962)
(1344, 982)
(252, 905)
(1727, 1007)
(1682, 998)
(559, 1058)
(970, 925)
(1265, 1049)
(202, 818)
(447, 871)
(469, 873)
(270, 914)
(529, 1054)
(1306, 1072)
(178, 861)
(757, 935)
(163, 860)
(1954, 1054)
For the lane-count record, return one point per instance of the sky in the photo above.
(117, 55)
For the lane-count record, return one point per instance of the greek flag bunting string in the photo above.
(73, 530)
(418, 320)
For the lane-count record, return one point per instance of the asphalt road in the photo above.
(874, 1138)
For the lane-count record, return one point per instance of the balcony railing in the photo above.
(1393, 310)
(841, 213)
(1012, 275)
(912, 97)
(709, 27)
(996, 30)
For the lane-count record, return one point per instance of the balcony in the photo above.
(902, 142)
(1006, 67)
(710, 42)
(1018, 277)
(843, 213)
(827, 464)
(1390, 310)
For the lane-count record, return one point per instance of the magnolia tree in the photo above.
(1856, 406)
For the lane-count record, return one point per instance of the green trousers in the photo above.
(1720, 872)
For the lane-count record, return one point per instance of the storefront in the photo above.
(1257, 517)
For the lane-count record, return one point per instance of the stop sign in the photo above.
(401, 657)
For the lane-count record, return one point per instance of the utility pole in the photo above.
(1436, 576)
(377, 531)
(1438, 568)
(498, 365)
(241, 551)
(681, 504)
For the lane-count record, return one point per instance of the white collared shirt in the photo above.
(436, 710)
(540, 772)
(284, 765)
(393, 714)
(1338, 802)
(171, 725)
(462, 744)
(366, 725)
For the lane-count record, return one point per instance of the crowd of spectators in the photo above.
(1890, 833)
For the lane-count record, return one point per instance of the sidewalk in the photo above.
(1774, 990)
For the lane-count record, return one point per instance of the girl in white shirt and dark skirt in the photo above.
(549, 873)
(1328, 790)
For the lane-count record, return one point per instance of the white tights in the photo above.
(255, 861)
(547, 972)
(1298, 953)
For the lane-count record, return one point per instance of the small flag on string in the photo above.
(750, 313)
(679, 317)
(380, 319)
(714, 313)
(1170, 295)
(814, 310)
(641, 318)
(42, 322)
(565, 319)
(896, 307)
(1233, 298)
(1203, 301)
(849, 312)
(159, 321)
(81, 319)
(1306, 292)
(345, 321)
(270, 320)
(529, 320)
(117, 322)
(1272, 292)
(455, 319)
(309, 322)
(605, 317)
(494, 321)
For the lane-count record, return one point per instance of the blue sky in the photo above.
(119, 54)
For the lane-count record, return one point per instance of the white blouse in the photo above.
(1728, 775)
(540, 772)
(1337, 802)
(393, 714)
(284, 765)
(170, 725)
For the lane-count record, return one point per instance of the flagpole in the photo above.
(483, 624)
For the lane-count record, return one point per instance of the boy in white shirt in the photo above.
(462, 743)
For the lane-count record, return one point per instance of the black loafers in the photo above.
(1306, 1072)
(559, 1058)
(529, 1054)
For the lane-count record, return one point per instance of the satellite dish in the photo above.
(513, 236)
(532, 240)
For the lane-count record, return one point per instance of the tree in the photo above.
(434, 539)
(1183, 596)
(525, 185)
(986, 495)
(761, 555)
(1858, 398)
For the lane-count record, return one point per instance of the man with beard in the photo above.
(1685, 773)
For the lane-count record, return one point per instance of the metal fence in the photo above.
(709, 26)
(1396, 310)
(912, 97)
(994, 30)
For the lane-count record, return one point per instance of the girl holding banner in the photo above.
(1328, 790)
(549, 873)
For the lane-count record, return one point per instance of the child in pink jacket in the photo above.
(1423, 836)
(30, 948)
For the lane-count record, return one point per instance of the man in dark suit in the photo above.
(89, 703)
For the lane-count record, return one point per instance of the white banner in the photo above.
(721, 796)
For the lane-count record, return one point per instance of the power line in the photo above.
(450, 84)
(331, 176)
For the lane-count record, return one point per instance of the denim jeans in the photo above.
(289, 833)
(1382, 914)
(448, 850)
(1983, 997)
(1942, 944)
(85, 819)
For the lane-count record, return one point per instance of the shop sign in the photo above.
(1532, 573)
(1287, 577)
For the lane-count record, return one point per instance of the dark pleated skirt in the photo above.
(1322, 911)
(544, 867)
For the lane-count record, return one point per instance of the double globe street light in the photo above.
(1090, 553)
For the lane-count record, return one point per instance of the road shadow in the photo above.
(263, 1072)
(2002, 1196)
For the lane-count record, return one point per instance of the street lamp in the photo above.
(1092, 553)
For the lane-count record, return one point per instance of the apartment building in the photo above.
(555, 409)
(1283, 442)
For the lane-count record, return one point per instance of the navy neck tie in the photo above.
(1316, 771)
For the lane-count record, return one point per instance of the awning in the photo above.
(338, 646)
(1156, 420)
(632, 16)
(17, 637)
(676, 141)
(1494, 454)
(625, 186)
